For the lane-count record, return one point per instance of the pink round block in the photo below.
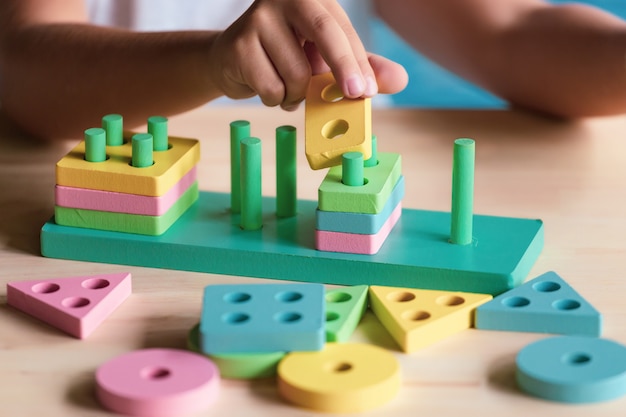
(157, 383)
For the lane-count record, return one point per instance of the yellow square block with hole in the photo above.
(416, 318)
(116, 173)
(335, 125)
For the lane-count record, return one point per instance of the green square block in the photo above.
(369, 198)
(417, 254)
(125, 222)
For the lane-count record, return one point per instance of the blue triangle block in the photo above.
(546, 304)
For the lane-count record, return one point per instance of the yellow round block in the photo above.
(341, 378)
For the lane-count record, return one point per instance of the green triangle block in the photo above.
(546, 304)
(344, 308)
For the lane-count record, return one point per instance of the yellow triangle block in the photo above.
(417, 318)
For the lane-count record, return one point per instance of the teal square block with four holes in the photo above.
(262, 318)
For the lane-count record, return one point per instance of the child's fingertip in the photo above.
(371, 87)
(355, 86)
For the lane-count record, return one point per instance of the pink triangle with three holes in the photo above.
(76, 305)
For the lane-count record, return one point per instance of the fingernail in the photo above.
(371, 87)
(355, 86)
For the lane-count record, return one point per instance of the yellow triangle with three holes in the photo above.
(417, 318)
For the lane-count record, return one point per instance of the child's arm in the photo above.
(564, 60)
(59, 75)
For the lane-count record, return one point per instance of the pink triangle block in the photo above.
(76, 305)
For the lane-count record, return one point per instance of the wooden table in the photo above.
(570, 174)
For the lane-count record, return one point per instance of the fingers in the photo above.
(390, 76)
(261, 76)
(275, 47)
(318, 65)
(284, 50)
(328, 27)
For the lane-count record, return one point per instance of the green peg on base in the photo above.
(352, 169)
(251, 193)
(95, 145)
(142, 150)
(286, 181)
(239, 129)
(157, 127)
(462, 192)
(113, 124)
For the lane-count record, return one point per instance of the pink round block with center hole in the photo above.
(157, 383)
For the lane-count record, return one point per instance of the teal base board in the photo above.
(417, 254)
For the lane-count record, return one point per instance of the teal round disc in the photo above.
(573, 369)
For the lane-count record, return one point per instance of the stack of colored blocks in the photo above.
(356, 213)
(134, 184)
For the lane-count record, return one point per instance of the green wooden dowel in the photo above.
(239, 130)
(142, 150)
(286, 181)
(251, 204)
(157, 127)
(462, 192)
(95, 145)
(352, 169)
(113, 124)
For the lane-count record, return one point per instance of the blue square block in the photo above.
(262, 318)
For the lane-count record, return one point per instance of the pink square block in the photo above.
(357, 243)
(76, 305)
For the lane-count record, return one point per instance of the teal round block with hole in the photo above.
(573, 369)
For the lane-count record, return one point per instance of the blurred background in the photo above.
(434, 87)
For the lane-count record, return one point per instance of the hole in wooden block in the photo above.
(450, 300)
(566, 304)
(288, 317)
(235, 318)
(335, 129)
(45, 288)
(332, 93)
(338, 367)
(546, 286)
(75, 302)
(95, 283)
(416, 315)
(288, 296)
(401, 296)
(155, 373)
(576, 358)
(338, 297)
(237, 297)
(331, 316)
(516, 302)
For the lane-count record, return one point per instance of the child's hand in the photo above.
(274, 47)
